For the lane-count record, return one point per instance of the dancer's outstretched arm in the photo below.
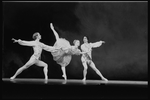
(80, 53)
(97, 44)
(22, 42)
(47, 47)
(83, 52)
(55, 33)
(73, 51)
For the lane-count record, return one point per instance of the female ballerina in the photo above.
(63, 54)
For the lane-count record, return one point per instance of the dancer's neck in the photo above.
(86, 43)
(75, 46)
(37, 40)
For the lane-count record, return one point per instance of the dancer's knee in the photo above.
(45, 66)
(85, 65)
(25, 67)
(85, 68)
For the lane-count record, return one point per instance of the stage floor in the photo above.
(20, 88)
(73, 81)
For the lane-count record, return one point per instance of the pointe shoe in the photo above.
(46, 78)
(64, 77)
(104, 79)
(83, 79)
(12, 78)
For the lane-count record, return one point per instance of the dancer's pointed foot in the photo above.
(46, 78)
(64, 77)
(104, 79)
(83, 79)
(12, 78)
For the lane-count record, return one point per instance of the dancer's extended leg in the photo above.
(27, 65)
(55, 33)
(92, 65)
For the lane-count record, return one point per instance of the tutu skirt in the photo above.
(59, 54)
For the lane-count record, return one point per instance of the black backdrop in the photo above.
(122, 25)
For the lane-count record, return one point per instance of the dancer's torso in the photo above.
(86, 47)
(37, 48)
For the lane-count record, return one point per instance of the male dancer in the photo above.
(35, 58)
(87, 57)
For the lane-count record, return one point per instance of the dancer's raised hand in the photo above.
(103, 41)
(14, 40)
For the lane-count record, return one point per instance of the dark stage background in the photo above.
(122, 25)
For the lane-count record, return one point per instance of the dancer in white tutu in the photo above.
(35, 58)
(63, 54)
(87, 57)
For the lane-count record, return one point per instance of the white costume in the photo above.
(88, 48)
(87, 58)
(63, 54)
(35, 58)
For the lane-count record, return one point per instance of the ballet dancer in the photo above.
(35, 58)
(63, 54)
(87, 57)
